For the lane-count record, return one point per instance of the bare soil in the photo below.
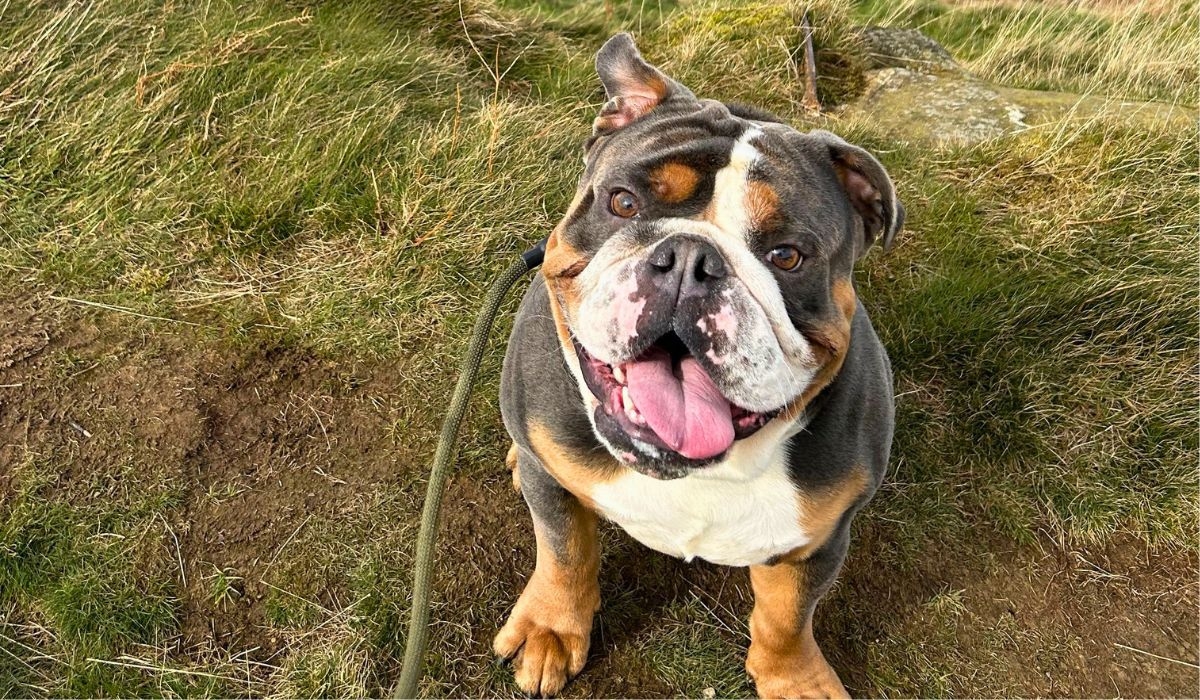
(246, 434)
(249, 433)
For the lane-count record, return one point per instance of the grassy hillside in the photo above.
(241, 247)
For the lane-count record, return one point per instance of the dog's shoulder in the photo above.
(845, 444)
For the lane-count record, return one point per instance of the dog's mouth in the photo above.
(665, 398)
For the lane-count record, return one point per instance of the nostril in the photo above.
(663, 259)
(708, 265)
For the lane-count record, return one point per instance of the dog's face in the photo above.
(700, 280)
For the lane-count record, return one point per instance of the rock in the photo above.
(1043, 107)
(941, 107)
(890, 47)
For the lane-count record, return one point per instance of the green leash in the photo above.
(418, 624)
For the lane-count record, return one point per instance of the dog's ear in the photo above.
(868, 188)
(633, 87)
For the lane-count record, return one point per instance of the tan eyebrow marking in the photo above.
(762, 204)
(674, 182)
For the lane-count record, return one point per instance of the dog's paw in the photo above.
(544, 658)
(778, 676)
(548, 633)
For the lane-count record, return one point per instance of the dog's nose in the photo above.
(688, 264)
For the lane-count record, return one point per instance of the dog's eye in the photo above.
(785, 257)
(623, 203)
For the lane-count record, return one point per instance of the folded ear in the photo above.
(634, 87)
(869, 189)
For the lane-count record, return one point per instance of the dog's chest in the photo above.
(724, 521)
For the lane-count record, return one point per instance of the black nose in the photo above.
(689, 264)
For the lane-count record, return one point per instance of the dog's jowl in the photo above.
(693, 364)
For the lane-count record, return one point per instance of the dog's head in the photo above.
(700, 280)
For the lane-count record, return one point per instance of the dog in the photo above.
(694, 365)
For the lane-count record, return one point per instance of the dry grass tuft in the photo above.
(1139, 50)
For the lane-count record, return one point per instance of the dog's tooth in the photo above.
(631, 411)
(618, 374)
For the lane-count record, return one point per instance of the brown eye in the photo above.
(785, 257)
(623, 203)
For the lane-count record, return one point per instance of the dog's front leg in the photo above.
(549, 631)
(784, 659)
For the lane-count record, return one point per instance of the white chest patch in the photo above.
(719, 514)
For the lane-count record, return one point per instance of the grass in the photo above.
(1136, 50)
(340, 181)
(1056, 327)
(81, 585)
(224, 586)
(693, 655)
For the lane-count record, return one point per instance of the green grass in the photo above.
(691, 652)
(1054, 326)
(344, 180)
(82, 588)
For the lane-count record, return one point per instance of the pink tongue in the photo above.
(690, 416)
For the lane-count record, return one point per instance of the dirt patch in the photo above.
(274, 426)
(256, 442)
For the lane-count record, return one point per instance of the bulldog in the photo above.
(693, 364)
